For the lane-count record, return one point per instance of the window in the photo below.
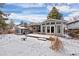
(52, 22)
(43, 29)
(58, 22)
(47, 23)
(17, 31)
(48, 29)
(52, 29)
(43, 24)
(38, 28)
(58, 29)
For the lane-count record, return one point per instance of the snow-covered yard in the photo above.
(12, 44)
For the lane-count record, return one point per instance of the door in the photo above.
(52, 29)
(48, 29)
(58, 29)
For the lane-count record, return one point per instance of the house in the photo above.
(73, 28)
(50, 26)
(22, 30)
(34, 27)
(73, 25)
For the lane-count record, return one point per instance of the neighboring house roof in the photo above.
(21, 27)
(72, 22)
(34, 24)
(73, 25)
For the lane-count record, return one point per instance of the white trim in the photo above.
(54, 25)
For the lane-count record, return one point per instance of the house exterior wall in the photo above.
(74, 25)
(21, 31)
(55, 24)
(18, 31)
(47, 27)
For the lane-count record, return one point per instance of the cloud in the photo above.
(73, 16)
(66, 18)
(25, 8)
(27, 5)
(31, 18)
(63, 8)
(66, 8)
(31, 11)
(76, 13)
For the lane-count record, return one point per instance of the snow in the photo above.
(13, 45)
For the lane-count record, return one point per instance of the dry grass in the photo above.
(56, 44)
(74, 33)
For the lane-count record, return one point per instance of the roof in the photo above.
(73, 22)
(55, 20)
(34, 24)
(21, 27)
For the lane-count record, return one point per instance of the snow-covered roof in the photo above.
(73, 25)
(21, 27)
(73, 22)
(54, 20)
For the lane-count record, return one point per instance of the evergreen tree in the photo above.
(54, 14)
(3, 24)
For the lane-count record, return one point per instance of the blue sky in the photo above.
(37, 12)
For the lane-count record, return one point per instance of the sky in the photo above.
(37, 12)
